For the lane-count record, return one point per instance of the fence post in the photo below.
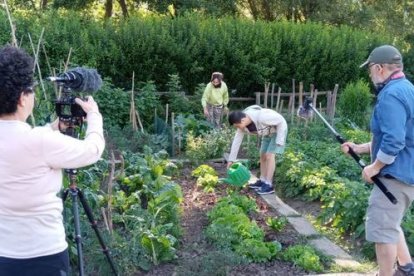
(257, 97)
(278, 99)
(266, 93)
(334, 95)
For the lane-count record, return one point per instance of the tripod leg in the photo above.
(94, 226)
(78, 237)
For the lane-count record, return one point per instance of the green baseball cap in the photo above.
(385, 54)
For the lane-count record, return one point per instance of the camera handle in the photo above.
(77, 196)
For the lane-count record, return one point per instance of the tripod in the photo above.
(77, 195)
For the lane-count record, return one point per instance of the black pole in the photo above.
(341, 140)
(94, 225)
(75, 209)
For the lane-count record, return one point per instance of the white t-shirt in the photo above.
(31, 163)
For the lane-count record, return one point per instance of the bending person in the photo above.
(272, 128)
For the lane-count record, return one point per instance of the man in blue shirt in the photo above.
(392, 155)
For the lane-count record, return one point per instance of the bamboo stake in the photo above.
(179, 141)
(333, 103)
(132, 113)
(292, 114)
(110, 185)
(65, 68)
(105, 219)
(139, 121)
(37, 65)
(47, 59)
(173, 135)
(166, 113)
(12, 26)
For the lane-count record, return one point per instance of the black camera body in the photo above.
(66, 108)
(76, 80)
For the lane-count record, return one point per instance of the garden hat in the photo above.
(385, 54)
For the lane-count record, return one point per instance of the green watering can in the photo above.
(237, 174)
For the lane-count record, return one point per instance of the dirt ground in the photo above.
(197, 257)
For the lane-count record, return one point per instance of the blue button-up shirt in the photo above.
(392, 126)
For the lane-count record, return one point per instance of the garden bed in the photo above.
(197, 256)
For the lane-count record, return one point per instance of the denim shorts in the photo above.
(383, 219)
(269, 145)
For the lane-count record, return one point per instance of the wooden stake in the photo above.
(266, 93)
(333, 107)
(12, 26)
(173, 135)
(278, 108)
(166, 113)
(132, 113)
(272, 95)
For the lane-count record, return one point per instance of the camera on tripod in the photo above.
(79, 79)
(66, 108)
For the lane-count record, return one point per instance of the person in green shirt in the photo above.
(215, 99)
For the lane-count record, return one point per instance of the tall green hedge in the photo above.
(247, 52)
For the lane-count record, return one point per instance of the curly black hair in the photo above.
(16, 76)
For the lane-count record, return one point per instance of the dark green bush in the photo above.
(354, 103)
(247, 52)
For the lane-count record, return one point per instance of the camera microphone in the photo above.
(80, 79)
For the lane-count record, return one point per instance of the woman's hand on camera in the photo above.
(89, 105)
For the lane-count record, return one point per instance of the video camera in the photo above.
(78, 79)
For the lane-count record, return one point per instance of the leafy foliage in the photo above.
(230, 228)
(303, 256)
(159, 47)
(208, 145)
(145, 206)
(354, 103)
(203, 170)
(208, 182)
(276, 223)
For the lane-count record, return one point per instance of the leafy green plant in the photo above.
(159, 247)
(303, 256)
(250, 147)
(258, 251)
(208, 145)
(208, 182)
(231, 228)
(354, 102)
(202, 170)
(179, 103)
(276, 223)
(247, 204)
